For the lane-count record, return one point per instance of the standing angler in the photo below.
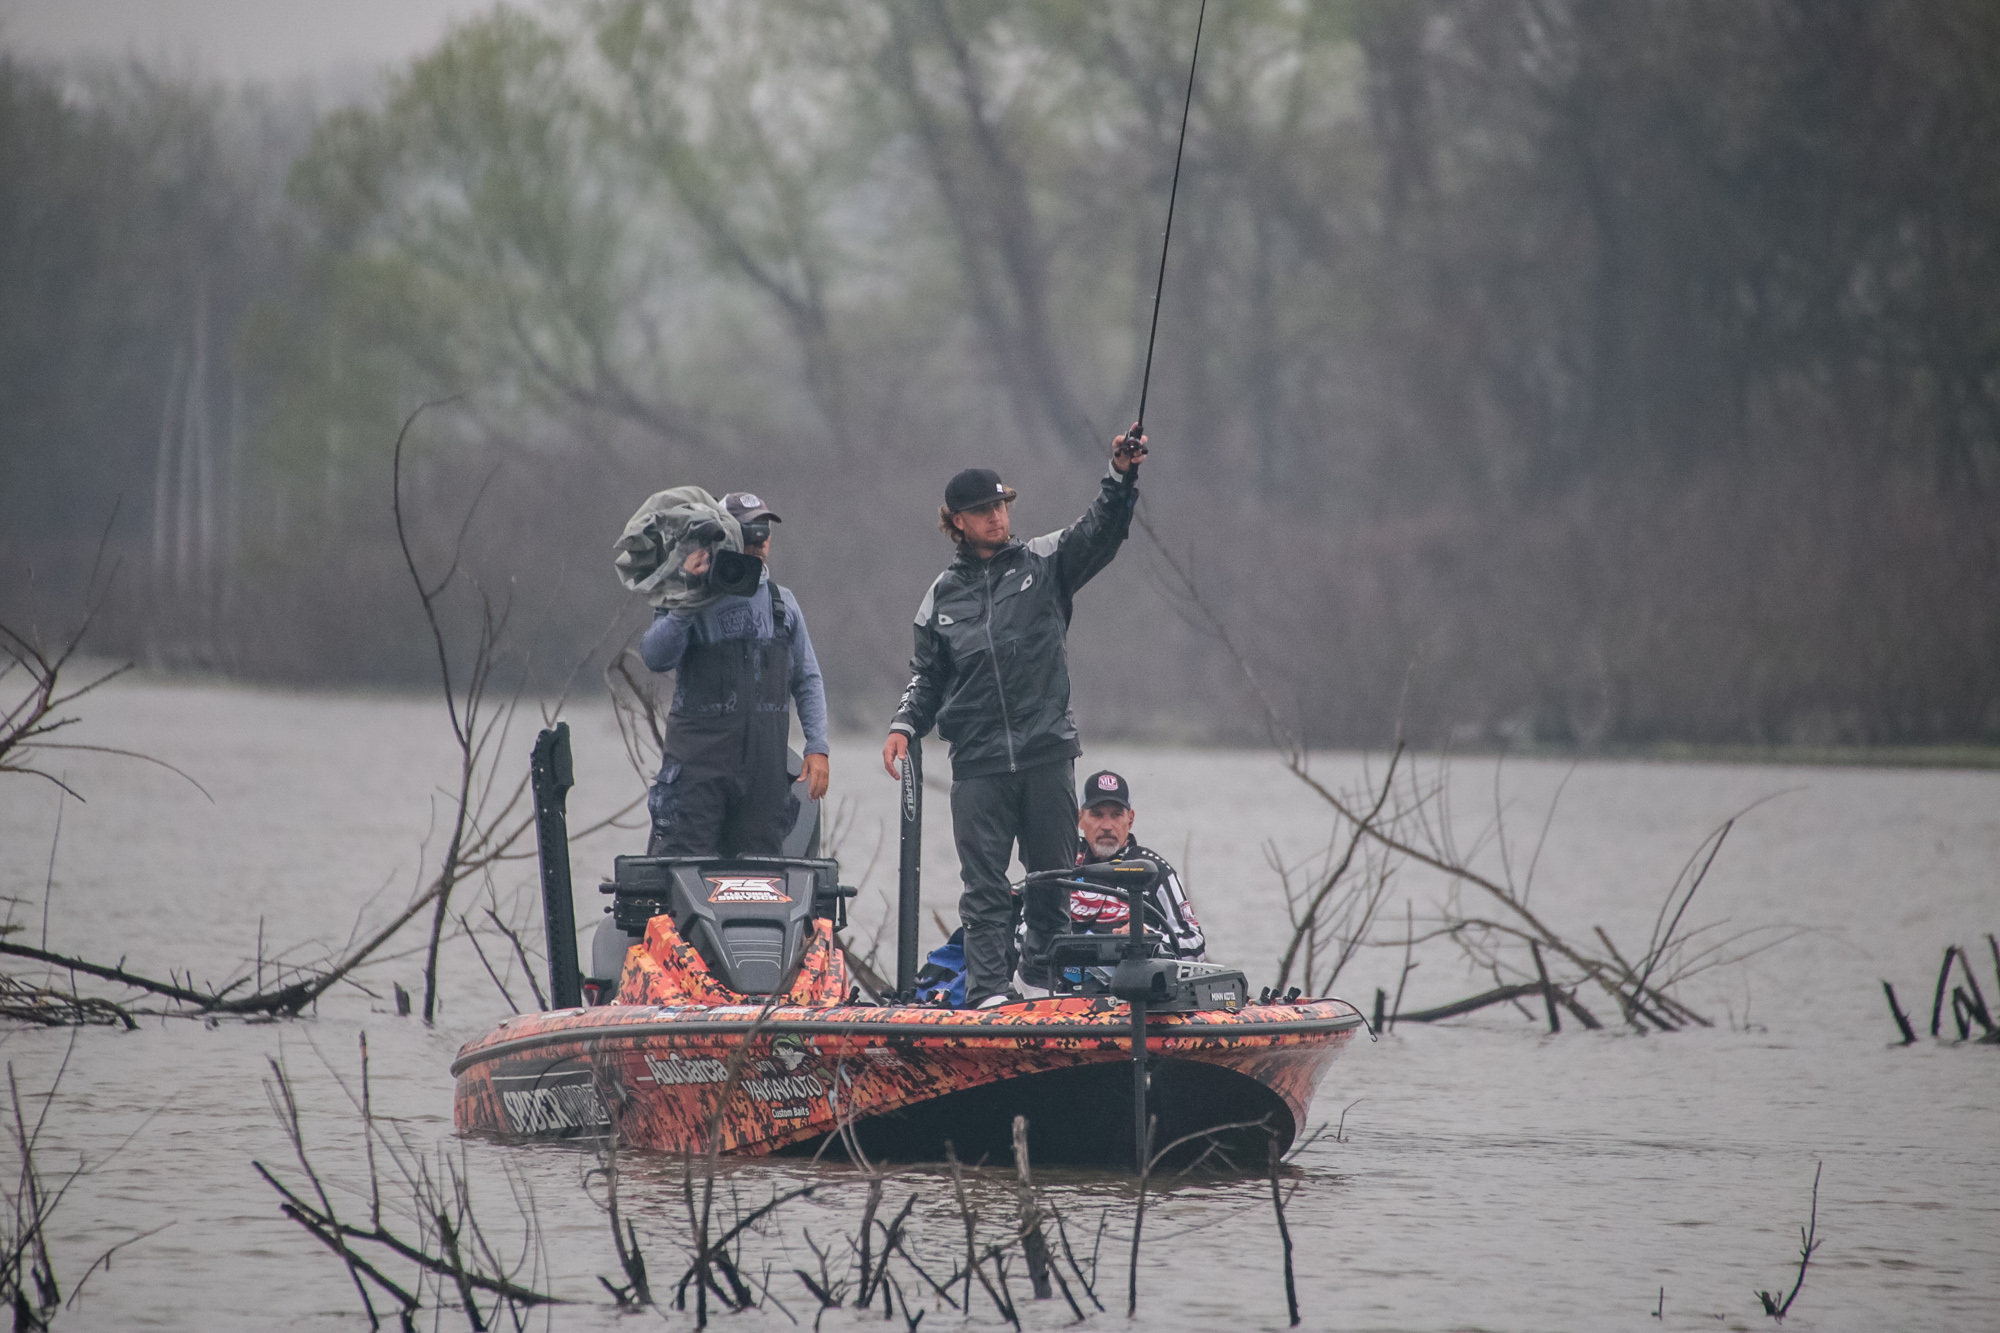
(991, 672)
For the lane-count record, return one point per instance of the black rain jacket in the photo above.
(990, 670)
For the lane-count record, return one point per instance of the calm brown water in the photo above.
(1492, 1177)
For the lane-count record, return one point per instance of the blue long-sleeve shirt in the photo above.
(746, 618)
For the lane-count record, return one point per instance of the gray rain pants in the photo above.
(1037, 808)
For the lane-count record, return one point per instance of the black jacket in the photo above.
(990, 669)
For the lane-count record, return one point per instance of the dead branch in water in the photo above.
(1151, 1161)
(450, 1246)
(1807, 1244)
(1975, 998)
(1284, 1234)
(1968, 1001)
(1034, 1245)
(29, 1284)
(465, 706)
(862, 961)
(1902, 1019)
(488, 822)
(637, 1293)
(1477, 1002)
(712, 1269)
(49, 1007)
(639, 711)
(1318, 919)
(1408, 818)
(35, 668)
(975, 1260)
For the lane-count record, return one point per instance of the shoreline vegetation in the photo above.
(1972, 756)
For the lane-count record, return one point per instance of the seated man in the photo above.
(1106, 828)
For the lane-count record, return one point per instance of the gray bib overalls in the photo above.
(722, 787)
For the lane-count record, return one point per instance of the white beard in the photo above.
(1108, 847)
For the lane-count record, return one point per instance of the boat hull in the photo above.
(906, 1078)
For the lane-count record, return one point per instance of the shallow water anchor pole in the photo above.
(550, 775)
(908, 869)
(1133, 982)
(1139, 1135)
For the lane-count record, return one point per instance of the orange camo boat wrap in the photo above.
(666, 970)
(660, 1058)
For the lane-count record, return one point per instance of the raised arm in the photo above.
(1085, 547)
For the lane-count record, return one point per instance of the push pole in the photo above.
(908, 869)
(551, 774)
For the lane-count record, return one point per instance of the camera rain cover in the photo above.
(651, 553)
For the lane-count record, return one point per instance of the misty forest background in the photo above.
(1532, 370)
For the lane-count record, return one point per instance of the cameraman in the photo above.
(740, 662)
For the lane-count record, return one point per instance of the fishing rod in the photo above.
(1167, 238)
(1135, 996)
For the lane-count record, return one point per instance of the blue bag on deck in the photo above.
(941, 981)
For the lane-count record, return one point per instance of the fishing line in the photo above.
(1173, 192)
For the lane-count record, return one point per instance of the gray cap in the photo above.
(748, 507)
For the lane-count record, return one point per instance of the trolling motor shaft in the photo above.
(1137, 977)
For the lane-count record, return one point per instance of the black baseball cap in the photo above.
(975, 487)
(1102, 786)
(747, 507)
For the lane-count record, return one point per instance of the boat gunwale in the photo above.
(1166, 1028)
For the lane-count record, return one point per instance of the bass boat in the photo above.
(724, 1011)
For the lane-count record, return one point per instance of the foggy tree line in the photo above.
(1528, 370)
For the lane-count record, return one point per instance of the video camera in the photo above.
(728, 571)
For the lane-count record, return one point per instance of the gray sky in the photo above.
(232, 39)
